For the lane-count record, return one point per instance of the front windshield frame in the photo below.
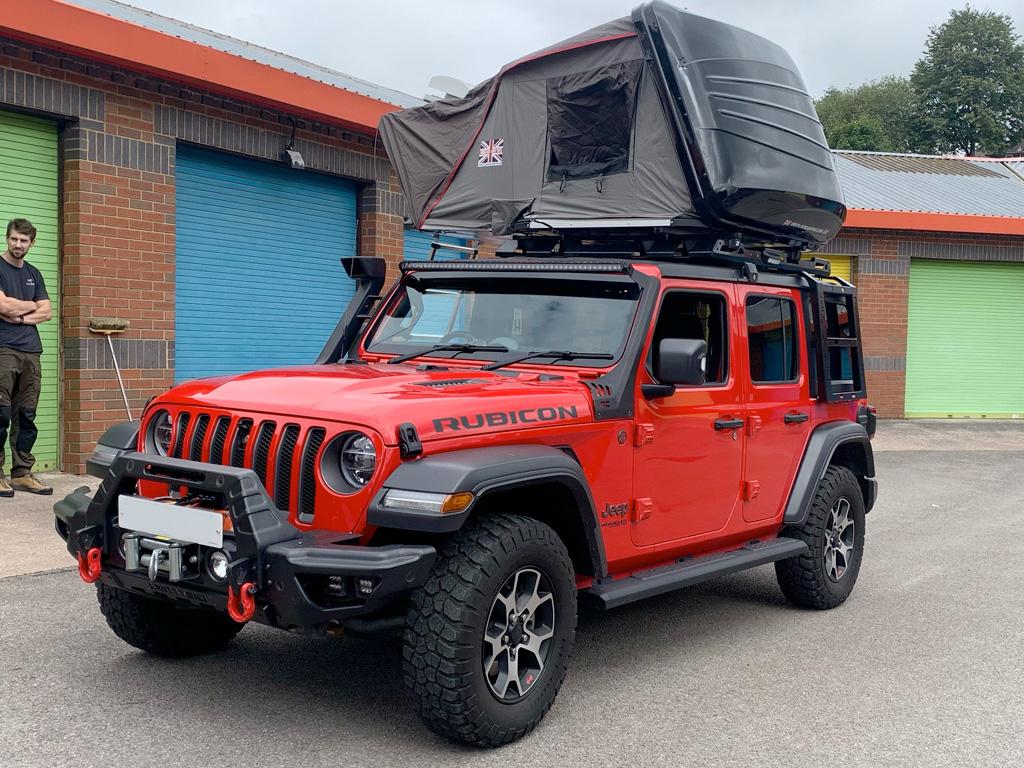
(575, 285)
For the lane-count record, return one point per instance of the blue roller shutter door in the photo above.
(417, 246)
(258, 275)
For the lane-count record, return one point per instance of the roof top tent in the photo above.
(663, 121)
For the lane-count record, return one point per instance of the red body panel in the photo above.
(665, 483)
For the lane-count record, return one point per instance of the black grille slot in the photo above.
(283, 473)
(220, 436)
(307, 477)
(195, 452)
(240, 441)
(261, 453)
(179, 437)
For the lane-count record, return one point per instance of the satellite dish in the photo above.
(449, 86)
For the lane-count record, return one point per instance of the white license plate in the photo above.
(187, 524)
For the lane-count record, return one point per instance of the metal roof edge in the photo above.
(934, 222)
(92, 34)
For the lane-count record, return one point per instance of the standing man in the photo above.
(24, 304)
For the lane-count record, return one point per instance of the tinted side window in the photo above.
(686, 315)
(771, 329)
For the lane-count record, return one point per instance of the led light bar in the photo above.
(506, 265)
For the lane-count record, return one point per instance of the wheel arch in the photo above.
(537, 481)
(841, 443)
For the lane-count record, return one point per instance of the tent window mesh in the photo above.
(590, 121)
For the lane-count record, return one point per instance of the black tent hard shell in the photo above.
(664, 119)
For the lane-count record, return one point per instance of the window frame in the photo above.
(795, 345)
(726, 338)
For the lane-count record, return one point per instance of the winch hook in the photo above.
(242, 607)
(89, 565)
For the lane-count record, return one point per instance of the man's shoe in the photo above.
(31, 484)
(5, 488)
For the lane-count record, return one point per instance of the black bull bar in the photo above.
(292, 574)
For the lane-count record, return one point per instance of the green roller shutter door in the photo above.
(965, 340)
(28, 189)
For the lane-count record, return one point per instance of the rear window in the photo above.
(771, 330)
(590, 121)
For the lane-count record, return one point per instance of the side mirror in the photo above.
(682, 362)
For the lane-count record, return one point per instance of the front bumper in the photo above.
(304, 580)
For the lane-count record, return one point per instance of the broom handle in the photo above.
(117, 370)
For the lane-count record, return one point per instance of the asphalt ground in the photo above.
(921, 667)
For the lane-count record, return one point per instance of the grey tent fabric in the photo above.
(664, 119)
(426, 144)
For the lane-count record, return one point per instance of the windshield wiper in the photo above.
(448, 348)
(557, 354)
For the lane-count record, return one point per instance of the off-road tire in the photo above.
(162, 628)
(444, 639)
(804, 580)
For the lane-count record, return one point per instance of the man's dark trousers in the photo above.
(20, 378)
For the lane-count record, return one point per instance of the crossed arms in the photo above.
(24, 312)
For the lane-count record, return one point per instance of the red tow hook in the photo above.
(89, 565)
(242, 606)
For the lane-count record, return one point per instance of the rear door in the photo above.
(777, 396)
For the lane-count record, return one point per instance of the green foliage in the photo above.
(970, 84)
(877, 116)
(966, 94)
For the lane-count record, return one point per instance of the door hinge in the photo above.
(642, 509)
(750, 490)
(753, 426)
(643, 434)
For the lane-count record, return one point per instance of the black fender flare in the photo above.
(821, 448)
(119, 438)
(483, 471)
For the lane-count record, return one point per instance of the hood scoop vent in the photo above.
(445, 383)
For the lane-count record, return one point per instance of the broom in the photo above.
(108, 326)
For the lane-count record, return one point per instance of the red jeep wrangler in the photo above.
(650, 386)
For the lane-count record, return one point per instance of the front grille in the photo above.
(220, 436)
(274, 462)
(179, 437)
(261, 453)
(239, 443)
(195, 452)
(283, 472)
(307, 476)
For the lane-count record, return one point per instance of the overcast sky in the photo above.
(402, 43)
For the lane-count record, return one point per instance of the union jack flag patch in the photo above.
(490, 152)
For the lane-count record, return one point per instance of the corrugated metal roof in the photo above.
(957, 185)
(246, 50)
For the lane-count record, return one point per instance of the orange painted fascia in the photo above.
(65, 27)
(934, 222)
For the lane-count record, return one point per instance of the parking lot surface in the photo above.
(921, 667)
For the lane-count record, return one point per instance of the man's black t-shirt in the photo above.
(23, 283)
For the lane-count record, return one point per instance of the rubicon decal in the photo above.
(504, 418)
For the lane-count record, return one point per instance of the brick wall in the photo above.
(882, 275)
(119, 132)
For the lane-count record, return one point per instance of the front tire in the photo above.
(162, 628)
(489, 634)
(825, 576)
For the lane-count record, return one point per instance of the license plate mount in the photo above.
(192, 525)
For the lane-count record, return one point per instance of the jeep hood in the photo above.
(440, 403)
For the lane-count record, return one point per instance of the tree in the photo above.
(970, 84)
(875, 116)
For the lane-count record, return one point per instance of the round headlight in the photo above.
(160, 433)
(358, 459)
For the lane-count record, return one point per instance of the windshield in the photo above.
(520, 314)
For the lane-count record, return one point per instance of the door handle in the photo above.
(728, 423)
(795, 417)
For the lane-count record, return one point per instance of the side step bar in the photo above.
(693, 570)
